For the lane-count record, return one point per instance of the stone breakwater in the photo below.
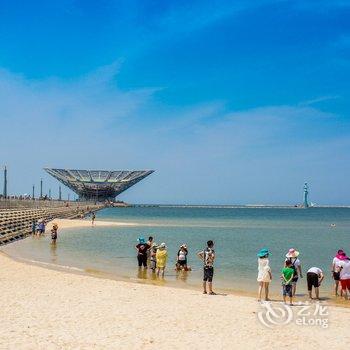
(17, 223)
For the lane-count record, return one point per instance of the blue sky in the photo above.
(230, 102)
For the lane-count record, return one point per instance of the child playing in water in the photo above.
(161, 257)
(286, 277)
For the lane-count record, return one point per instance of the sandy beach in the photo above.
(47, 309)
(71, 223)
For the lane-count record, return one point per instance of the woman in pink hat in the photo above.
(336, 271)
(292, 256)
(345, 275)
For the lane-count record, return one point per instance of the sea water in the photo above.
(238, 233)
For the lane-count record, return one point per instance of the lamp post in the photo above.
(5, 182)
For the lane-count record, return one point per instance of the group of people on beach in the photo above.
(153, 256)
(39, 228)
(292, 271)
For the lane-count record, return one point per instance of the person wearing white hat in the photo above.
(181, 262)
(161, 257)
(292, 256)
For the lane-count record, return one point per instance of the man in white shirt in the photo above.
(314, 278)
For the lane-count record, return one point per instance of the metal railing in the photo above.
(15, 203)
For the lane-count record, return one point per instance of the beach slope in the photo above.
(46, 309)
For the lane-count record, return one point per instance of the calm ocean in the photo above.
(238, 233)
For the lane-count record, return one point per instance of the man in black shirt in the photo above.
(142, 248)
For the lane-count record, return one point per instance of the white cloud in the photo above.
(318, 100)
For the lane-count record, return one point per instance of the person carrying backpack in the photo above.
(292, 256)
(208, 256)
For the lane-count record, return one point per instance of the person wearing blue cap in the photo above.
(142, 248)
(264, 273)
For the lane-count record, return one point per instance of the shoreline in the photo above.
(78, 223)
(55, 309)
(94, 273)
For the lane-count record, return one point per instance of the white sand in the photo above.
(70, 223)
(46, 309)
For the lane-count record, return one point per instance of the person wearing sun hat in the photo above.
(292, 256)
(161, 257)
(181, 262)
(336, 271)
(142, 248)
(344, 274)
(264, 273)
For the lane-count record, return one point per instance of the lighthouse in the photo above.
(306, 195)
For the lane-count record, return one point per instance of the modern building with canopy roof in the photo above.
(98, 185)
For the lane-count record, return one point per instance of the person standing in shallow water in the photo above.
(34, 226)
(153, 258)
(314, 277)
(336, 268)
(54, 232)
(150, 243)
(264, 273)
(41, 227)
(208, 256)
(93, 217)
(161, 257)
(345, 275)
(142, 248)
(181, 262)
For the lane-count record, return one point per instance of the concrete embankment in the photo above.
(17, 223)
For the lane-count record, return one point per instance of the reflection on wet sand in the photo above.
(53, 252)
(151, 276)
(182, 275)
(142, 273)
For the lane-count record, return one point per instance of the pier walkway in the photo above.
(17, 223)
